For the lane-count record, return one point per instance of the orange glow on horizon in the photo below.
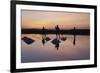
(66, 20)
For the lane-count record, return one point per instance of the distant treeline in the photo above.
(62, 31)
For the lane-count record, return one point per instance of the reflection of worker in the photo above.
(43, 41)
(57, 45)
(44, 32)
(57, 31)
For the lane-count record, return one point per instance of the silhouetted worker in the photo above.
(74, 29)
(74, 41)
(44, 32)
(57, 31)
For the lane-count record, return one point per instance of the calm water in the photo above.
(37, 52)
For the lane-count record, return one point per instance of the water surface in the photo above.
(37, 52)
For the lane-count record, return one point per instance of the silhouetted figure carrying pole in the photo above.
(57, 31)
(74, 41)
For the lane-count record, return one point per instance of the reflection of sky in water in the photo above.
(36, 52)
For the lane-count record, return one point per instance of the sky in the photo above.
(49, 19)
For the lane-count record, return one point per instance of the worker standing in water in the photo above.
(44, 32)
(57, 31)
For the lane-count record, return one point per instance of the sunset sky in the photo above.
(49, 19)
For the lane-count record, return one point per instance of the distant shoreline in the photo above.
(52, 31)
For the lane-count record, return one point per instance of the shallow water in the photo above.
(37, 52)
